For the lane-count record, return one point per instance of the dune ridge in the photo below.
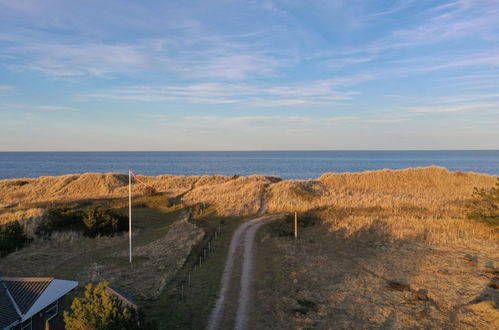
(431, 189)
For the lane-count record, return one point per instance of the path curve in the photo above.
(243, 238)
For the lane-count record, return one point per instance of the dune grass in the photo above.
(432, 190)
(162, 242)
(343, 267)
(375, 227)
(187, 301)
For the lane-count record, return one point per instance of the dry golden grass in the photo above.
(240, 196)
(155, 264)
(66, 187)
(20, 215)
(95, 185)
(430, 231)
(431, 190)
(159, 252)
(380, 226)
(343, 267)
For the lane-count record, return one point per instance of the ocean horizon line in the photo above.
(250, 150)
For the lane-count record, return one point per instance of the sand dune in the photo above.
(422, 190)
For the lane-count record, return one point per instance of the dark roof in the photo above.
(26, 290)
(126, 300)
(8, 313)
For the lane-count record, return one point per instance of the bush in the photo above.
(150, 191)
(286, 227)
(99, 310)
(486, 206)
(99, 221)
(94, 221)
(12, 237)
(60, 219)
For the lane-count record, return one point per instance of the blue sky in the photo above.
(248, 75)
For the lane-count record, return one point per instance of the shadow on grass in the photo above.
(188, 299)
(290, 272)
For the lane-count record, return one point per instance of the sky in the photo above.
(248, 75)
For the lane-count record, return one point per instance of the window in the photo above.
(51, 311)
(26, 325)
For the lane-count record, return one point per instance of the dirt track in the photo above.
(240, 245)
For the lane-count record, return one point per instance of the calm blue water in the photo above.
(285, 164)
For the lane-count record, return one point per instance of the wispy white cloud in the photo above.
(108, 60)
(448, 22)
(455, 108)
(466, 98)
(397, 7)
(35, 108)
(304, 93)
(6, 88)
(264, 123)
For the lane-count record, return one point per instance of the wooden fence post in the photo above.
(296, 225)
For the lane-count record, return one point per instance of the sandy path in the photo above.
(243, 238)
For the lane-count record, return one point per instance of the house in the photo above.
(124, 298)
(27, 303)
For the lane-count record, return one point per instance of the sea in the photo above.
(284, 164)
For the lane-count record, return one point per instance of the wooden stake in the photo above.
(296, 225)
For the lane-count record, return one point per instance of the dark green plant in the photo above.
(150, 191)
(12, 237)
(99, 221)
(485, 207)
(99, 310)
(60, 219)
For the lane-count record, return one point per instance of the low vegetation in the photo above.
(431, 191)
(92, 222)
(98, 310)
(485, 207)
(99, 221)
(12, 237)
(370, 271)
(403, 248)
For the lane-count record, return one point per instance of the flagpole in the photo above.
(130, 213)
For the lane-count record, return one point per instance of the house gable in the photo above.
(23, 298)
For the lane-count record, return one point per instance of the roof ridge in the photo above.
(18, 311)
(123, 295)
(33, 279)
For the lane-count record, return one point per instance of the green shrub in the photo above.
(485, 208)
(99, 221)
(99, 310)
(94, 221)
(150, 191)
(60, 219)
(12, 237)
